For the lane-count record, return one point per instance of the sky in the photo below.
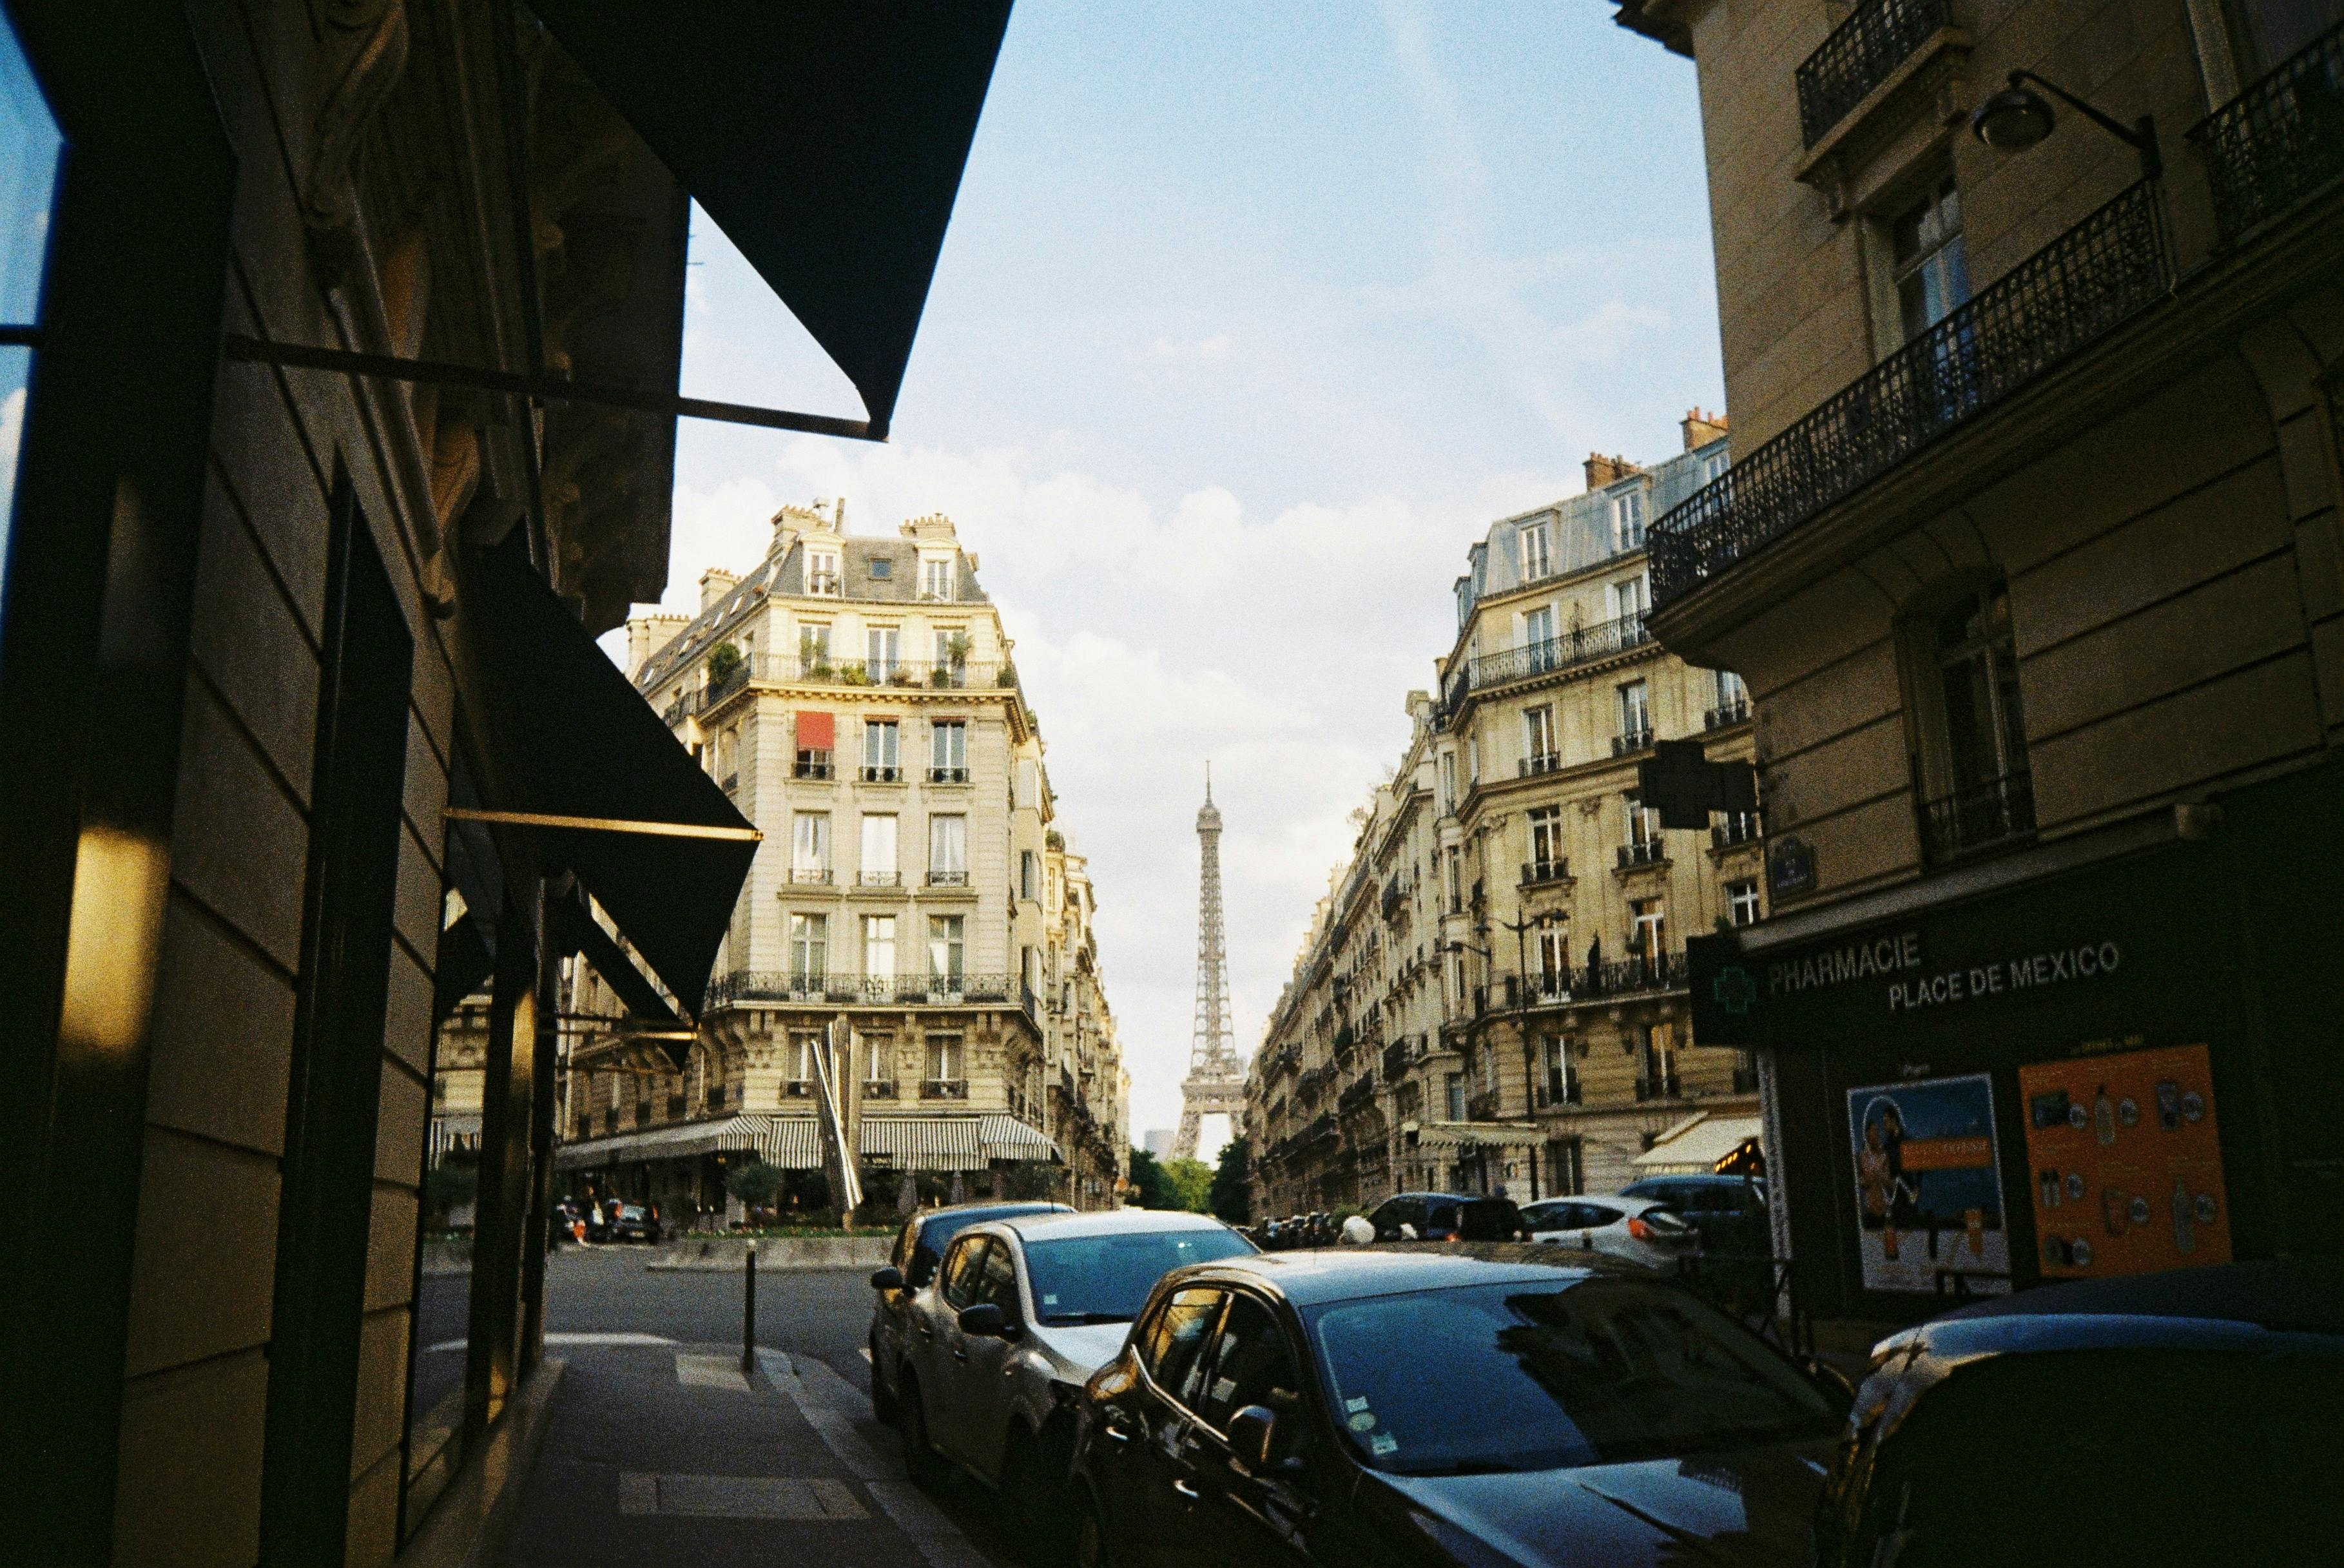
(1251, 320)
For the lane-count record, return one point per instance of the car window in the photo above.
(1442, 1217)
(1546, 1215)
(962, 1267)
(901, 1257)
(1595, 1216)
(1489, 1219)
(1108, 1279)
(1174, 1341)
(1250, 1364)
(997, 1283)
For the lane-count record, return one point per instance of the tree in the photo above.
(1229, 1195)
(722, 660)
(757, 1184)
(1192, 1184)
(1155, 1188)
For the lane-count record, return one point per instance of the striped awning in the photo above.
(1476, 1135)
(1007, 1138)
(924, 1142)
(453, 1130)
(786, 1141)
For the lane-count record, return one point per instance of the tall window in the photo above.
(1534, 558)
(1931, 263)
(1742, 901)
(879, 865)
(936, 578)
(810, 846)
(1472, 760)
(1656, 1050)
(813, 645)
(822, 572)
(878, 1059)
(1558, 1069)
(1635, 714)
(1538, 739)
(883, 742)
(1628, 519)
(948, 851)
(884, 645)
(1454, 1086)
(1546, 841)
(813, 1046)
(1456, 881)
(1552, 954)
(1029, 875)
(878, 946)
(1630, 597)
(1648, 929)
(947, 946)
(1029, 784)
(1643, 831)
(944, 1059)
(1730, 691)
(1448, 780)
(1971, 731)
(809, 947)
(1537, 637)
(948, 751)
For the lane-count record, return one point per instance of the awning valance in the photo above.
(924, 1143)
(769, 1138)
(1007, 1138)
(1695, 1148)
(579, 744)
(938, 1143)
(1476, 1135)
(825, 139)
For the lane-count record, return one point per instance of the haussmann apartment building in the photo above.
(1492, 995)
(2033, 317)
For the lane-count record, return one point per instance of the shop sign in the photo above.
(2126, 1162)
(1928, 1186)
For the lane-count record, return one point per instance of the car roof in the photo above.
(1313, 1277)
(966, 1214)
(2305, 1294)
(1449, 1198)
(1106, 1222)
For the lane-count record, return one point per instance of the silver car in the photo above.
(1020, 1315)
(1637, 1228)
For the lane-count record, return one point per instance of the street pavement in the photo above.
(657, 1449)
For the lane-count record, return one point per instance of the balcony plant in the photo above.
(853, 673)
(722, 660)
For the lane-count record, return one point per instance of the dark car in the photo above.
(2182, 1416)
(919, 1245)
(1447, 1217)
(632, 1222)
(1730, 1211)
(1364, 1406)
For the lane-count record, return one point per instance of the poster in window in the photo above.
(2126, 1158)
(1928, 1188)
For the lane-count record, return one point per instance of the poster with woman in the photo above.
(1929, 1190)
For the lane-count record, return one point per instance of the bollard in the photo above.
(749, 1316)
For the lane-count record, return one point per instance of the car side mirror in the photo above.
(888, 1278)
(1253, 1435)
(1840, 1385)
(985, 1320)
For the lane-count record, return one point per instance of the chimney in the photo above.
(1602, 470)
(646, 635)
(1701, 428)
(714, 584)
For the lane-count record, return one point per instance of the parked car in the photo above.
(1447, 1216)
(2179, 1417)
(631, 1222)
(1729, 1211)
(1364, 1407)
(919, 1247)
(1020, 1313)
(1637, 1228)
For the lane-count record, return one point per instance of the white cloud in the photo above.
(1216, 347)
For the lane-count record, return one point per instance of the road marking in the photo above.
(814, 1499)
(938, 1538)
(616, 1339)
(710, 1372)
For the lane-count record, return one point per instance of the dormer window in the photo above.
(822, 572)
(1536, 561)
(882, 569)
(937, 580)
(1628, 519)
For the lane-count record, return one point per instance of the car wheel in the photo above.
(921, 1460)
(1090, 1534)
(883, 1403)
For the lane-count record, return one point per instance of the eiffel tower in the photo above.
(1215, 1081)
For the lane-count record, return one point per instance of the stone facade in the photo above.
(1492, 992)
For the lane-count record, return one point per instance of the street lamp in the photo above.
(2017, 117)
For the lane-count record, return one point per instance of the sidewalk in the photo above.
(666, 1453)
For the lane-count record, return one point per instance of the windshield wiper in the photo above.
(1078, 1319)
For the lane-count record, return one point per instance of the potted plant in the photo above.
(853, 673)
(722, 660)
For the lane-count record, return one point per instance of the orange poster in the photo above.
(2125, 1160)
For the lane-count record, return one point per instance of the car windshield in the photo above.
(1536, 1376)
(1106, 1278)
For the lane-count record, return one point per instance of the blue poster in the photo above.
(1928, 1186)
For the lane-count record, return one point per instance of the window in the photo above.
(1029, 875)
(1453, 1085)
(810, 846)
(948, 851)
(1930, 261)
(1635, 715)
(814, 646)
(947, 946)
(1655, 1047)
(1171, 1347)
(878, 1059)
(945, 1062)
(936, 579)
(1031, 970)
(1456, 883)
(809, 947)
(1557, 1070)
(948, 751)
(884, 645)
(1552, 954)
(1711, 467)
(1472, 760)
(1647, 929)
(1546, 842)
(1534, 558)
(882, 751)
(963, 1268)
(31, 154)
(879, 866)
(1537, 638)
(1973, 734)
(878, 946)
(1251, 1365)
(997, 1286)
(1644, 833)
(1630, 597)
(822, 572)
(1448, 780)
(813, 1053)
(1742, 901)
(1730, 691)
(1538, 740)
(1563, 1173)
(881, 568)
(1628, 519)
(1029, 784)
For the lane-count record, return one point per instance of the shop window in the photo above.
(31, 148)
(1967, 727)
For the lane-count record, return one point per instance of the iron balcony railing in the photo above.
(1580, 645)
(810, 669)
(810, 876)
(878, 879)
(948, 879)
(1974, 818)
(1358, 1093)
(1555, 1091)
(882, 773)
(1651, 851)
(1544, 763)
(1659, 1086)
(1862, 53)
(773, 985)
(1537, 872)
(2085, 283)
(1726, 715)
(812, 765)
(947, 776)
(2279, 142)
(1631, 741)
(944, 1088)
(879, 1088)
(1738, 827)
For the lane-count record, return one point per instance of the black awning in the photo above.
(826, 138)
(578, 743)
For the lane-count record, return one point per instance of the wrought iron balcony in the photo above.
(1360, 1092)
(1659, 1086)
(1651, 851)
(1556, 1092)
(810, 876)
(1738, 827)
(1537, 873)
(812, 765)
(1629, 742)
(1726, 716)
(1862, 53)
(948, 879)
(2279, 142)
(882, 773)
(878, 879)
(1544, 763)
(1977, 818)
(2083, 285)
(947, 776)
(882, 1089)
(944, 1088)
(1580, 645)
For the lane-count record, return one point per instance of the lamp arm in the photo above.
(2141, 135)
